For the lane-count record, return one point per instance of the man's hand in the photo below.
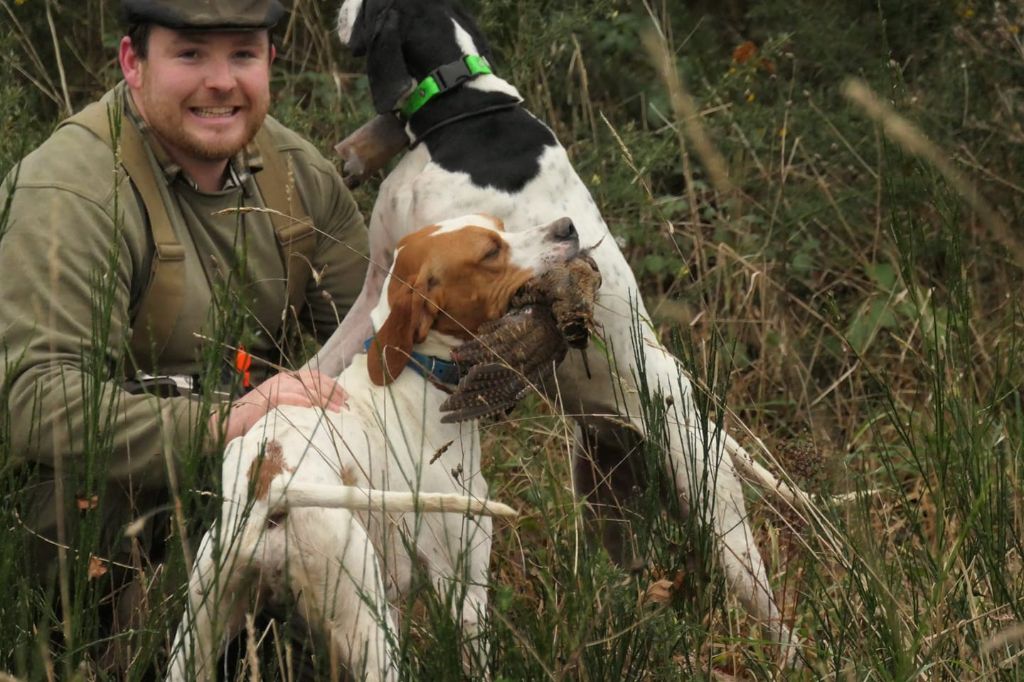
(307, 388)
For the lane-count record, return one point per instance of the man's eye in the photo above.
(188, 54)
(245, 54)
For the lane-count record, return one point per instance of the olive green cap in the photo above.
(203, 14)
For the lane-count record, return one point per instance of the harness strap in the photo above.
(462, 117)
(157, 312)
(296, 237)
(162, 299)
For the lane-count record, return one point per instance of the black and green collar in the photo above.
(443, 78)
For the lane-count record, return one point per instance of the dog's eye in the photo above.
(493, 253)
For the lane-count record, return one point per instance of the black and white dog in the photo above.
(474, 148)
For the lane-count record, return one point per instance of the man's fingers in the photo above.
(307, 388)
(295, 399)
(330, 394)
(327, 395)
(334, 394)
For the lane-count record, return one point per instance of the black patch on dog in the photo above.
(499, 149)
(404, 40)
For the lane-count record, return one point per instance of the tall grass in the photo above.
(841, 298)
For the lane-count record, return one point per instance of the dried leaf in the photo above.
(97, 567)
(659, 592)
(133, 529)
(86, 503)
(744, 52)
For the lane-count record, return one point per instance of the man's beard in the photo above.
(167, 125)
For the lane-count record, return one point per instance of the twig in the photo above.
(35, 81)
(685, 110)
(59, 546)
(60, 61)
(33, 56)
(904, 133)
(251, 656)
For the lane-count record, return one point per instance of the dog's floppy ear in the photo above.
(385, 65)
(365, 26)
(413, 312)
(377, 33)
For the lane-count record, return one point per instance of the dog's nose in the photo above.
(563, 230)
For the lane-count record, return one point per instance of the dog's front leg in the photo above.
(704, 475)
(213, 612)
(460, 566)
(706, 480)
(355, 328)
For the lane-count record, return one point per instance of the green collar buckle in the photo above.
(445, 77)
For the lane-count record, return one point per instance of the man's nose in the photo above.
(219, 75)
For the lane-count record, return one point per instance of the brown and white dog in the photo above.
(283, 529)
(475, 145)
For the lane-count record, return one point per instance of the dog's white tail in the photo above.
(285, 495)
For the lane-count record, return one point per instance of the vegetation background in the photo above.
(849, 290)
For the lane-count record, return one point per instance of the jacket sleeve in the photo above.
(66, 273)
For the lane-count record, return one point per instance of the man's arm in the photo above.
(66, 276)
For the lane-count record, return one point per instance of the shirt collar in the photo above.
(240, 167)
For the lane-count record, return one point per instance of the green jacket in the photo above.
(71, 277)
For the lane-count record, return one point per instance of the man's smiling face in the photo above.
(203, 93)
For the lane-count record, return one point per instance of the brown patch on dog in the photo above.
(348, 475)
(263, 470)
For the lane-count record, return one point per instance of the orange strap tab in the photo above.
(243, 363)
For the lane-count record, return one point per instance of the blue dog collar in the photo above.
(429, 367)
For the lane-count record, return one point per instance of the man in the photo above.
(81, 255)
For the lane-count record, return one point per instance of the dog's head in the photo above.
(455, 276)
(404, 40)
